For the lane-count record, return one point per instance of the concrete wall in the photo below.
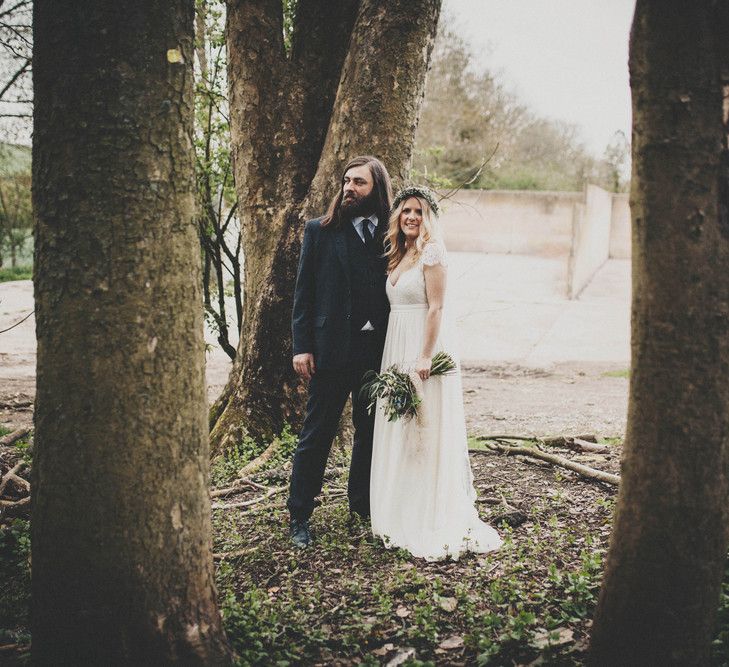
(525, 222)
(590, 238)
(620, 238)
(509, 222)
(583, 227)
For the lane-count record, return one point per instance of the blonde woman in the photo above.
(421, 486)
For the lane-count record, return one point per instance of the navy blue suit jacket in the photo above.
(323, 298)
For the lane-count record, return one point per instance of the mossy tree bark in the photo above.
(121, 534)
(668, 547)
(351, 83)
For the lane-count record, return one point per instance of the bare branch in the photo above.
(10, 10)
(15, 77)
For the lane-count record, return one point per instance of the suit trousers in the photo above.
(328, 393)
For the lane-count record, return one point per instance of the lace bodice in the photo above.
(410, 286)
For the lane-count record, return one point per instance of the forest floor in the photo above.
(348, 600)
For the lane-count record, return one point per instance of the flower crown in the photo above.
(417, 191)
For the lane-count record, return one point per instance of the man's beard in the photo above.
(354, 206)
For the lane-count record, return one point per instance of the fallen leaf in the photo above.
(402, 612)
(384, 649)
(448, 604)
(555, 637)
(402, 656)
(274, 589)
(456, 641)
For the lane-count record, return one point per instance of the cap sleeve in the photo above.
(434, 253)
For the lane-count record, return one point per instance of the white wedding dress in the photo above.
(421, 488)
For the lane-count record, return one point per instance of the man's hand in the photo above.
(304, 365)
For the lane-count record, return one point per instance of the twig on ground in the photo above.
(506, 504)
(239, 485)
(12, 438)
(528, 438)
(567, 440)
(15, 503)
(560, 441)
(267, 507)
(578, 444)
(488, 500)
(253, 501)
(235, 554)
(533, 452)
(18, 323)
(11, 475)
(16, 405)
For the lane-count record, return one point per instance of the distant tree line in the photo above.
(16, 219)
(469, 116)
(16, 108)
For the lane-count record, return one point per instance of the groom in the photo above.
(339, 323)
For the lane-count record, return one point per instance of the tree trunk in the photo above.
(121, 534)
(668, 548)
(348, 87)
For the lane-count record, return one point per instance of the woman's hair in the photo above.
(395, 239)
(381, 190)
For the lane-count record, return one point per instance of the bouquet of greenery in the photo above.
(398, 388)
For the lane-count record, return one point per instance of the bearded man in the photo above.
(339, 323)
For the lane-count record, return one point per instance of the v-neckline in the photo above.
(399, 278)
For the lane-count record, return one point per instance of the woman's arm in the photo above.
(435, 284)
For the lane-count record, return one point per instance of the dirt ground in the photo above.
(559, 521)
(565, 399)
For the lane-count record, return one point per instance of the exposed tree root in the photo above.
(257, 463)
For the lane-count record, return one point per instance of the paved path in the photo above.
(512, 309)
(509, 309)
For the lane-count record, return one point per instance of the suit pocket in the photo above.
(320, 321)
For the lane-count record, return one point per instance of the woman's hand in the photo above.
(422, 367)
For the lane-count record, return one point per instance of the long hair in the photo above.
(381, 189)
(395, 239)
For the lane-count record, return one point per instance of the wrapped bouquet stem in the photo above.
(399, 388)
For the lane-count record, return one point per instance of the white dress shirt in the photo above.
(357, 224)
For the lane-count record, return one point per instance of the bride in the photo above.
(421, 488)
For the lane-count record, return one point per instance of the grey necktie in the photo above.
(369, 241)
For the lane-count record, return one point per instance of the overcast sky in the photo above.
(567, 59)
